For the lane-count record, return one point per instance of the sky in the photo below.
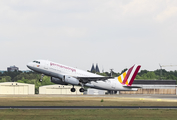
(113, 33)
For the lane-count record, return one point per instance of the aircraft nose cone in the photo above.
(29, 65)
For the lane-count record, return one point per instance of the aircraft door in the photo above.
(46, 66)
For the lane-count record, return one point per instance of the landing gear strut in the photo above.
(42, 75)
(82, 88)
(73, 89)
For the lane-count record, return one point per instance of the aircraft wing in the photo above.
(89, 79)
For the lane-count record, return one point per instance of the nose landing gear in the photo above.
(42, 75)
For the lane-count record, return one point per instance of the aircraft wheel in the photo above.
(81, 89)
(73, 89)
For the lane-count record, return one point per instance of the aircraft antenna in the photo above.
(111, 70)
(164, 66)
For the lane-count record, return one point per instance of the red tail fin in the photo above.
(129, 76)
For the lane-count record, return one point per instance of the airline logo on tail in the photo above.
(128, 77)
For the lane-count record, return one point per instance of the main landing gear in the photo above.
(73, 89)
(42, 75)
(81, 89)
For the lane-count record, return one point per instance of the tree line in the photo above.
(148, 75)
(33, 77)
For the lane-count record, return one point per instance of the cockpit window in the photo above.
(36, 62)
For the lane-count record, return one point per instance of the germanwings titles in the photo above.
(64, 75)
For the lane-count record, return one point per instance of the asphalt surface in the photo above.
(88, 107)
(149, 96)
(174, 97)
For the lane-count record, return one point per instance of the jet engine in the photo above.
(57, 81)
(71, 80)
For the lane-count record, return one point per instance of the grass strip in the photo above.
(87, 114)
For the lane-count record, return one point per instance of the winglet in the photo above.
(128, 77)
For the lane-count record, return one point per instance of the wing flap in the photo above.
(88, 79)
(131, 86)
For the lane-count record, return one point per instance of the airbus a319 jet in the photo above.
(64, 75)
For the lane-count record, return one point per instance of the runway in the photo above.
(172, 97)
(88, 107)
(88, 101)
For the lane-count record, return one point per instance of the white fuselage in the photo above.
(58, 70)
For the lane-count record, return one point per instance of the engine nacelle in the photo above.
(71, 80)
(57, 81)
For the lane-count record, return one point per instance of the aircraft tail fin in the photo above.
(128, 76)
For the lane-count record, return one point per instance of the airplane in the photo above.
(64, 75)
